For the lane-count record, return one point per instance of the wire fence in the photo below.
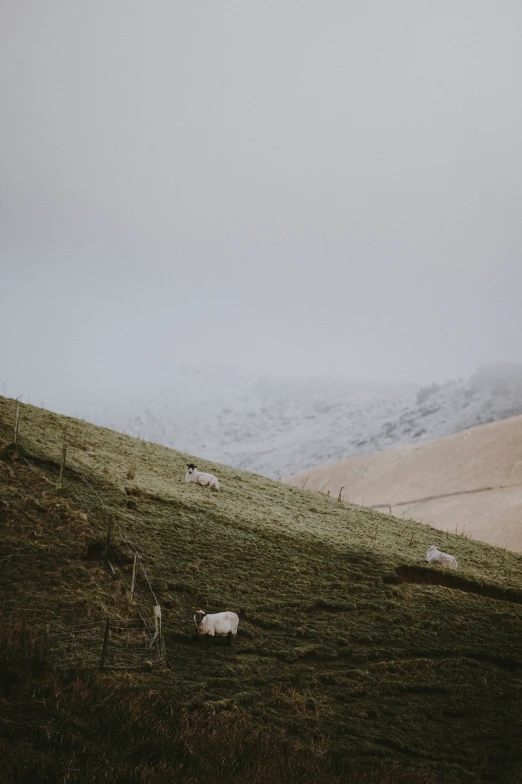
(127, 643)
(110, 643)
(141, 592)
(113, 644)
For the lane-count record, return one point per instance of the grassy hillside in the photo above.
(354, 657)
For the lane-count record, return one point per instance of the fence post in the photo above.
(107, 543)
(105, 643)
(17, 416)
(133, 583)
(156, 611)
(157, 625)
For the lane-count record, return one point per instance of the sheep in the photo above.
(223, 624)
(200, 477)
(435, 556)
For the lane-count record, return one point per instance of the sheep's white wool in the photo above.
(201, 478)
(443, 559)
(223, 624)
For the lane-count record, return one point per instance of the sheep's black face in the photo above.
(200, 615)
(190, 467)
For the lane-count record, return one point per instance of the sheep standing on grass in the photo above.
(223, 624)
(435, 556)
(200, 477)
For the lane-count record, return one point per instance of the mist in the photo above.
(291, 189)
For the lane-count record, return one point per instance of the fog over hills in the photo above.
(279, 427)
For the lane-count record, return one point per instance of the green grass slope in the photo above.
(352, 650)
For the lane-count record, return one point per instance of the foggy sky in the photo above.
(307, 188)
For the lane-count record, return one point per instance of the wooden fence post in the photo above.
(157, 625)
(17, 417)
(105, 643)
(133, 582)
(156, 611)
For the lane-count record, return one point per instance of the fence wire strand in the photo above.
(123, 536)
(131, 643)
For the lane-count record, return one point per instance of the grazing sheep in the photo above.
(435, 556)
(200, 477)
(223, 624)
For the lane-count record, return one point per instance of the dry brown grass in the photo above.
(79, 730)
(131, 473)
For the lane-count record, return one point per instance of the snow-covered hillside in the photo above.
(279, 427)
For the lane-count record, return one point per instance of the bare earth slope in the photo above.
(470, 482)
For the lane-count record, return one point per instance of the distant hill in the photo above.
(355, 660)
(470, 482)
(276, 427)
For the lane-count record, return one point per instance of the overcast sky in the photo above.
(309, 188)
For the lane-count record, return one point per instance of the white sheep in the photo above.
(200, 477)
(223, 624)
(435, 556)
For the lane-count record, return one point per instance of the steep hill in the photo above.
(276, 427)
(469, 482)
(355, 660)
